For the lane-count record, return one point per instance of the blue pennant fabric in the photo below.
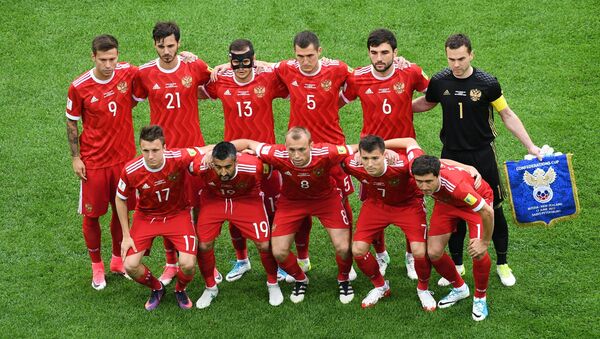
(542, 191)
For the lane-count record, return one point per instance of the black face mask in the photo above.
(240, 58)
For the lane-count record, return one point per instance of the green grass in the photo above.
(543, 52)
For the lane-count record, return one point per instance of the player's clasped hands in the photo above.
(477, 248)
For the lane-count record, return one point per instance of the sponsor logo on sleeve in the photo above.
(265, 150)
(192, 152)
(122, 185)
(341, 150)
(470, 199)
(69, 104)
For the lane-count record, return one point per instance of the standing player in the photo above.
(101, 98)
(314, 87)
(162, 210)
(469, 97)
(385, 93)
(456, 198)
(233, 194)
(171, 88)
(391, 198)
(308, 190)
(247, 95)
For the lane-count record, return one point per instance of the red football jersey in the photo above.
(245, 183)
(313, 181)
(457, 188)
(173, 97)
(314, 98)
(386, 102)
(104, 106)
(160, 191)
(248, 107)
(394, 187)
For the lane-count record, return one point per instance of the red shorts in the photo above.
(375, 216)
(271, 186)
(193, 185)
(290, 213)
(247, 214)
(445, 217)
(178, 228)
(99, 190)
(343, 181)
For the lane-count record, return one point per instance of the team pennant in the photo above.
(542, 191)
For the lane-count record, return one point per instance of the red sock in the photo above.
(344, 267)
(116, 233)
(238, 242)
(303, 238)
(368, 265)
(291, 267)
(423, 268)
(481, 275)
(206, 262)
(170, 252)
(92, 236)
(379, 242)
(270, 265)
(147, 279)
(408, 249)
(445, 267)
(182, 280)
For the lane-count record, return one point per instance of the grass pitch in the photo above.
(544, 54)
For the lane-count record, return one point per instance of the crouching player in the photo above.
(391, 198)
(233, 193)
(457, 197)
(162, 210)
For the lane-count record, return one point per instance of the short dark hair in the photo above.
(151, 133)
(103, 43)
(380, 36)
(305, 39)
(455, 41)
(370, 143)
(426, 164)
(224, 150)
(164, 29)
(241, 44)
(297, 132)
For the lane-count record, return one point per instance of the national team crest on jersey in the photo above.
(475, 94)
(186, 81)
(399, 87)
(326, 84)
(122, 87)
(541, 181)
(318, 171)
(173, 176)
(394, 182)
(260, 91)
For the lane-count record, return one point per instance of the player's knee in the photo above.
(434, 252)
(359, 249)
(187, 264)
(343, 250)
(262, 246)
(131, 266)
(280, 254)
(418, 249)
(205, 246)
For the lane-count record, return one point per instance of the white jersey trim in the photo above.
(310, 74)
(480, 206)
(378, 77)
(72, 117)
(158, 169)
(102, 82)
(172, 70)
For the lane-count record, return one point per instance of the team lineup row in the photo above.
(316, 89)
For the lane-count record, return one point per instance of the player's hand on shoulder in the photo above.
(188, 57)
(79, 168)
(475, 174)
(357, 159)
(391, 156)
(219, 69)
(207, 160)
(249, 151)
(401, 62)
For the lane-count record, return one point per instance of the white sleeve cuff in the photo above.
(121, 196)
(72, 117)
(480, 206)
